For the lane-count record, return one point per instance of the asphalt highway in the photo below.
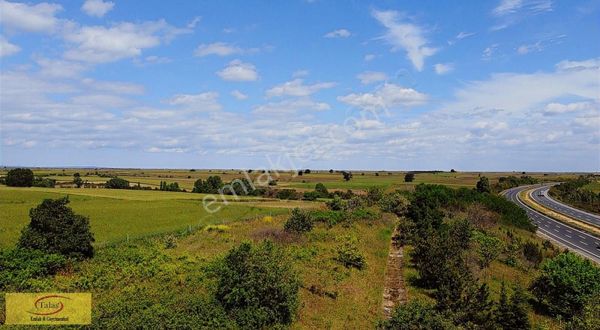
(567, 236)
(541, 196)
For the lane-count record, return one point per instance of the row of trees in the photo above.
(574, 193)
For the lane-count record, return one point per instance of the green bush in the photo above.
(322, 190)
(55, 228)
(310, 195)
(565, 283)
(349, 255)
(331, 218)
(44, 182)
(257, 286)
(117, 183)
(417, 315)
(286, 194)
(394, 203)
(19, 266)
(19, 177)
(299, 222)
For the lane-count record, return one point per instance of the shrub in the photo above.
(349, 255)
(117, 183)
(565, 283)
(286, 194)
(19, 177)
(374, 195)
(336, 204)
(483, 185)
(532, 253)
(310, 195)
(417, 315)
(217, 228)
(55, 228)
(44, 182)
(489, 248)
(322, 190)
(329, 217)
(18, 266)
(299, 222)
(394, 203)
(257, 285)
(409, 177)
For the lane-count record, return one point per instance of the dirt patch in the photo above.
(394, 291)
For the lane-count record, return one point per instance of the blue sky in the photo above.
(397, 85)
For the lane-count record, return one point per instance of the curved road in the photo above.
(567, 236)
(541, 196)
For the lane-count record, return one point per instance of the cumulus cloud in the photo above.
(297, 87)
(99, 44)
(199, 102)
(6, 48)
(217, 48)
(30, 18)
(237, 70)
(386, 97)
(369, 77)
(406, 36)
(238, 95)
(441, 68)
(339, 33)
(97, 8)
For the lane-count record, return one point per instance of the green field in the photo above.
(118, 214)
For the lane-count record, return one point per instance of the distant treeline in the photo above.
(513, 181)
(572, 192)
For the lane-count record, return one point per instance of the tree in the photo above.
(512, 313)
(322, 190)
(307, 171)
(483, 185)
(347, 175)
(19, 177)
(55, 228)
(299, 222)
(565, 283)
(257, 286)
(330, 171)
(77, 180)
(409, 177)
(300, 172)
(117, 183)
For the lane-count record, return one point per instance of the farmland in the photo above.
(155, 250)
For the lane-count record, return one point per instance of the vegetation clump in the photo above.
(349, 255)
(55, 228)
(117, 183)
(19, 177)
(299, 222)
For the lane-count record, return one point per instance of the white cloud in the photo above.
(406, 36)
(199, 102)
(6, 48)
(238, 95)
(385, 97)
(300, 73)
(193, 23)
(555, 108)
(525, 49)
(31, 18)
(97, 8)
(369, 57)
(59, 68)
(512, 11)
(489, 51)
(369, 77)
(217, 48)
(339, 33)
(290, 106)
(506, 7)
(237, 70)
(591, 64)
(441, 68)
(99, 44)
(297, 87)
(463, 35)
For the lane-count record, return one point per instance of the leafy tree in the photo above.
(44, 182)
(300, 173)
(409, 177)
(55, 228)
(565, 283)
(483, 185)
(299, 222)
(257, 286)
(322, 190)
(19, 177)
(330, 171)
(532, 253)
(589, 318)
(307, 171)
(512, 313)
(394, 203)
(117, 183)
(77, 180)
(212, 185)
(347, 175)
(489, 248)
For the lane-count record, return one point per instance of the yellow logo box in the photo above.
(48, 308)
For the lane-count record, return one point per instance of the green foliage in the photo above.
(347, 175)
(77, 180)
(212, 185)
(19, 177)
(565, 283)
(174, 186)
(483, 185)
(349, 255)
(300, 221)
(117, 183)
(589, 318)
(321, 190)
(395, 203)
(488, 248)
(257, 286)
(44, 182)
(532, 253)
(18, 267)
(512, 313)
(409, 177)
(310, 195)
(417, 315)
(287, 194)
(512, 181)
(329, 217)
(336, 204)
(374, 195)
(55, 228)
